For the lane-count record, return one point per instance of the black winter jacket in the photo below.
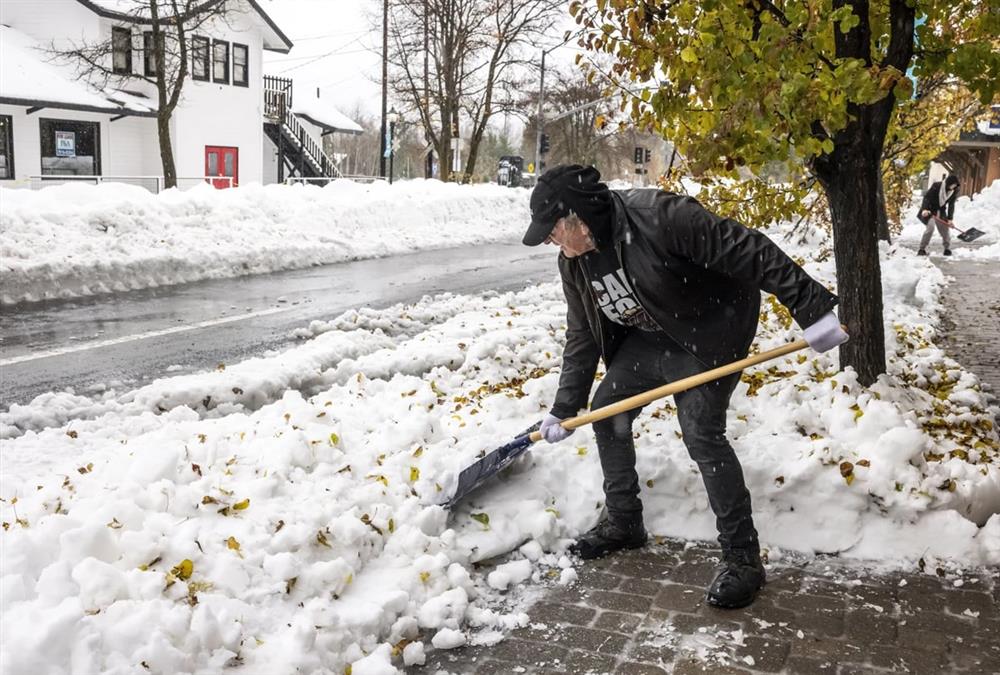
(932, 203)
(697, 274)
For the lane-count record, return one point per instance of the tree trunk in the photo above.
(166, 150)
(851, 184)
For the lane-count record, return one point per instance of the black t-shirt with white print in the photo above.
(613, 291)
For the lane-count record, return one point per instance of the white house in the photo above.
(54, 125)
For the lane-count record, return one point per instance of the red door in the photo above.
(222, 164)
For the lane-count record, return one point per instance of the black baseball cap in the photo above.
(564, 189)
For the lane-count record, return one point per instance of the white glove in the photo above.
(925, 213)
(825, 334)
(551, 431)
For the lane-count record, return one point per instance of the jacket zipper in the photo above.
(597, 310)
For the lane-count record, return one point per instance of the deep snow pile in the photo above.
(223, 518)
(72, 240)
(979, 211)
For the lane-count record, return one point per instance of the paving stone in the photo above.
(654, 620)
(527, 653)
(921, 640)
(768, 654)
(598, 580)
(787, 580)
(647, 587)
(975, 662)
(591, 640)
(618, 622)
(931, 620)
(620, 602)
(587, 662)
(810, 602)
(885, 597)
(980, 604)
(799, 665)
(826, 649)
(557, 614)
(656, 647)
(491, 667)
(905, 660)
(680, 598)
(870, 626)
(689, 624)
(630, 668)
(693, 573)
(638, 569)
(689, 666)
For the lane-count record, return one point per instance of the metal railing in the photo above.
(326, 180)
(152, 183)
(278, 109)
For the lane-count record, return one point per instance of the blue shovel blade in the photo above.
(490, 465)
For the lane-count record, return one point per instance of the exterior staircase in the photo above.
(298, 151)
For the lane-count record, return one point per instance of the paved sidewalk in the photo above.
(643, 612)
(971, 323)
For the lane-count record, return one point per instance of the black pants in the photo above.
(648, 360)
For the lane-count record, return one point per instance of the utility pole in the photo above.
(385, 84)
(539, 120)
(429, 162)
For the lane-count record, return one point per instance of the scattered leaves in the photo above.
(482, 518)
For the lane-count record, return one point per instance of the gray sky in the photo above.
(338, 47)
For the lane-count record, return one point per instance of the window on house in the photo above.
(6, 148)
(121, 50)
(220, 61)
(199, 58)
(149, 54)
(70, 148)
(241, 65)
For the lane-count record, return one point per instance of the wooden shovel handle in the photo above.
(948, 223)
(675, 387)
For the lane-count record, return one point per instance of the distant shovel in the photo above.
(968, 235)
(493, 462)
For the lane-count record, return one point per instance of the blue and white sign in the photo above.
(65, 144)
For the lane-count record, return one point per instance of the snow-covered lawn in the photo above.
(282, 513)
(73, 240)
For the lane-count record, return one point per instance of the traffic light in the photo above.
(638, 155)
(649, 155)
(544, 146)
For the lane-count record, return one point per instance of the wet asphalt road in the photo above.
(128, 339)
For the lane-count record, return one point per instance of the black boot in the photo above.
(741, 576)
(921, 252)
(607, 537)
(947, 251)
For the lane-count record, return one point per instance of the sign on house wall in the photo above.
(65, 144)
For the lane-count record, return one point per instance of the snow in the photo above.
(73, 240)
(283, 513)
(324, 114)
(29, 73)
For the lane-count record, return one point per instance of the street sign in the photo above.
(531, 167)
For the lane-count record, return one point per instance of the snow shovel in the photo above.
(968, 235)
(493, 462)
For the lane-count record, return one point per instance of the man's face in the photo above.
(572, 236)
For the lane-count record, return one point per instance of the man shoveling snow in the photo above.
(661, 289)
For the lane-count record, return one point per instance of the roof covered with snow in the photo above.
(29, 76)
(137, 10)
(325, 115)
